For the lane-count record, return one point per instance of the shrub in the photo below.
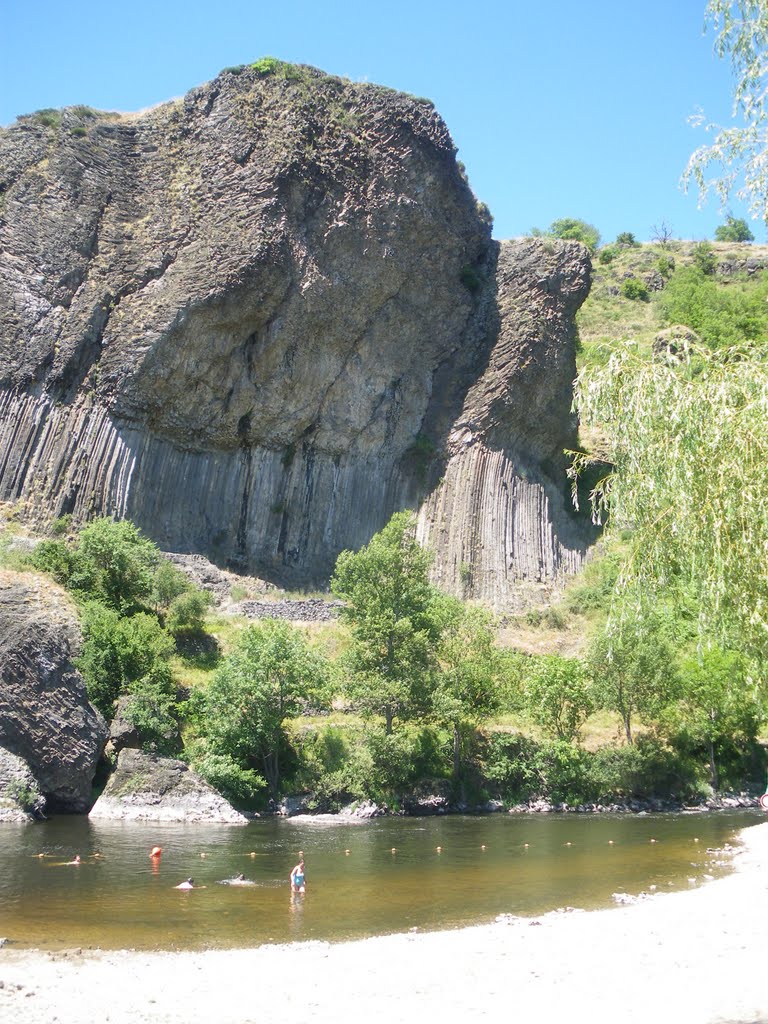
(56, 558)
(168, 583)
(470, 278)
(220, 770)
(633, 288)
(48, 117)
(720, 316)
(665, 265)
(608, 254)
(626, 240)
(61, 526)
(704, 258)
(187, 612)
(26, 795)
(266, 65)
(517, 769)
(648, 768)
(507, 762)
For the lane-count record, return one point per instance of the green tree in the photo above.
(735, 229)
(124, 562)
(466, 686)
(119, 651)
(168, 583)
(688, 441)
(393, 613)
(737, 153)
(632, 663)
(627, 240)
(719, 703)
(577, 230)
(558, 695)
(268, 678)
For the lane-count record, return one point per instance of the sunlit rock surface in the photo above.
(260, 319)
(144, 787)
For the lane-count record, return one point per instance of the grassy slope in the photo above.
(607, 318)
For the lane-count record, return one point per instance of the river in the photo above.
(369, 878)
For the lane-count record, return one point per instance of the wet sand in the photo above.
(695, 957)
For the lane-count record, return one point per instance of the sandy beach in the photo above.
(695, 957)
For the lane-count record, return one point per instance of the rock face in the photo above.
(45, 717)
(260, 319)
(20, 796)
(144, 787)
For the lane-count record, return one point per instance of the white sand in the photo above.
(694, 957)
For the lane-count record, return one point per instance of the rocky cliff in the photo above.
(46, 721)
(260, 319)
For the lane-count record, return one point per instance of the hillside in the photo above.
(608, 316)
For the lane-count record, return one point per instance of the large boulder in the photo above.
(45, 716)
(145, 787)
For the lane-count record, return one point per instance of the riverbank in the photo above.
(694, 957)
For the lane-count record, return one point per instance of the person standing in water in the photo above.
(297, 878)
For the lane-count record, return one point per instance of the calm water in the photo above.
(356, 884)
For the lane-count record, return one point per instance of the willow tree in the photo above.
(735, 159)
(688, 442)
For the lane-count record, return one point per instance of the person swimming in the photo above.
(237, 880)
(189, 884)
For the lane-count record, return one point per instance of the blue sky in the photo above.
(558, 108)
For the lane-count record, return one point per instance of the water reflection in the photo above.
(443, 872)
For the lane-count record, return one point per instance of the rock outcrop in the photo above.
(46, 719)
(260, 319)
(145, 787)
(20, 796)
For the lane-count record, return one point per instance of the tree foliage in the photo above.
(466, 687)
(720, 703)
(268, 678)
(735, 159)
(577, 230)
(120, 651)
(688, 441)
(558, 695)
(722, 317)
(394, 616)
(735, 229)
(633, 666)
(111, 562)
